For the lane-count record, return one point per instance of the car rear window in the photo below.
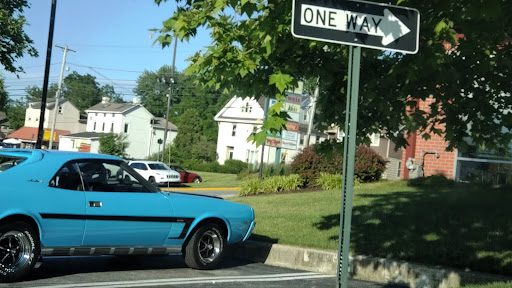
(157, 166)
(7, 162)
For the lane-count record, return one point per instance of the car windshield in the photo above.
(158, 166)
(7, 162)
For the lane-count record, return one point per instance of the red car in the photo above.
(186, 177)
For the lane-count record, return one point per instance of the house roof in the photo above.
(84, 135)
(112, 107)
(30, 133)
(159, 123)
(50, 103)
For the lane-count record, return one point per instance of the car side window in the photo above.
(111, 176)
(68, 177)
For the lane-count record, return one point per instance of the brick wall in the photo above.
(444, 165)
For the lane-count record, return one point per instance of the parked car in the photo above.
(156, 172)
(59, 203)
(187, 177)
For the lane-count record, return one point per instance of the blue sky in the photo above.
(108, 35)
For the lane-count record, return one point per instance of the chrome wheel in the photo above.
(196, 180)
(15, 250)
(205, 248)
(209, 246)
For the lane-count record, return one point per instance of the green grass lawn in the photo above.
(213, 180)
(462, 226)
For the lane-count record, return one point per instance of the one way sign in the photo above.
(365, 24)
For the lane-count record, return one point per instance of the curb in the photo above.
(361, 267)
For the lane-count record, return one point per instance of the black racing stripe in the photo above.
(184, 232)
(118, 218)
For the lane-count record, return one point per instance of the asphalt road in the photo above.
(169, 271)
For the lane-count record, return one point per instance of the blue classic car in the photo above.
(55, 203)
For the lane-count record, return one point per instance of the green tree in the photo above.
(82, 90)
(14, 42)
(3, 95)
(109, 91)
(35, 93)
(113, 144)
(16, 113)
(190, 144)
(188, 93)
(253, 51)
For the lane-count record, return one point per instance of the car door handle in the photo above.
(94, 204)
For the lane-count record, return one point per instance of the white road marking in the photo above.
(198, 280)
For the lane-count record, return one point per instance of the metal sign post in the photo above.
(358, 24)
(349, 152)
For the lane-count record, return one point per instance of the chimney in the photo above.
(136, 100)
(105, 100)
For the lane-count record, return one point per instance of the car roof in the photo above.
(43, 164)
(146, 161)
(38, 154)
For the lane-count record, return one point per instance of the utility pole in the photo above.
(312, 115)
(57, 95)
(40, 132)
(169, 101)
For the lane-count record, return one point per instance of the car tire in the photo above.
(152, 180)
(19, 250)
(206, 247)
(196, 180)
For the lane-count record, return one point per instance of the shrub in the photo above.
(329, 181)
(270, 185)
(234, 166)
(250, 187)
(307, 164)
(431, 181)
(270, 169)
(369, 165)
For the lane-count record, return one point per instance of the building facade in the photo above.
(241, 117)
(141, 128)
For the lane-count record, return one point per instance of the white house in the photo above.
(142, 129)
(242, 116)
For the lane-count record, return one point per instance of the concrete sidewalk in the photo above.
(379, 270)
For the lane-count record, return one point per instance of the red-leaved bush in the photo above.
(307, 164)
(369, 165)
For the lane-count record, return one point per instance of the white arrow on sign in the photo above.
(389, 27)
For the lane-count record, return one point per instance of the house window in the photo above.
(399, 169)
(233, 132)
(230, 152)
(375, 138)
(95, 114)
(301, 142)
(112, 127)
(37, 119)
(29, 118)
(103, 127)
(60, 109)
(94, 126)
(305, 116)
(126, 127)
(104, 114)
